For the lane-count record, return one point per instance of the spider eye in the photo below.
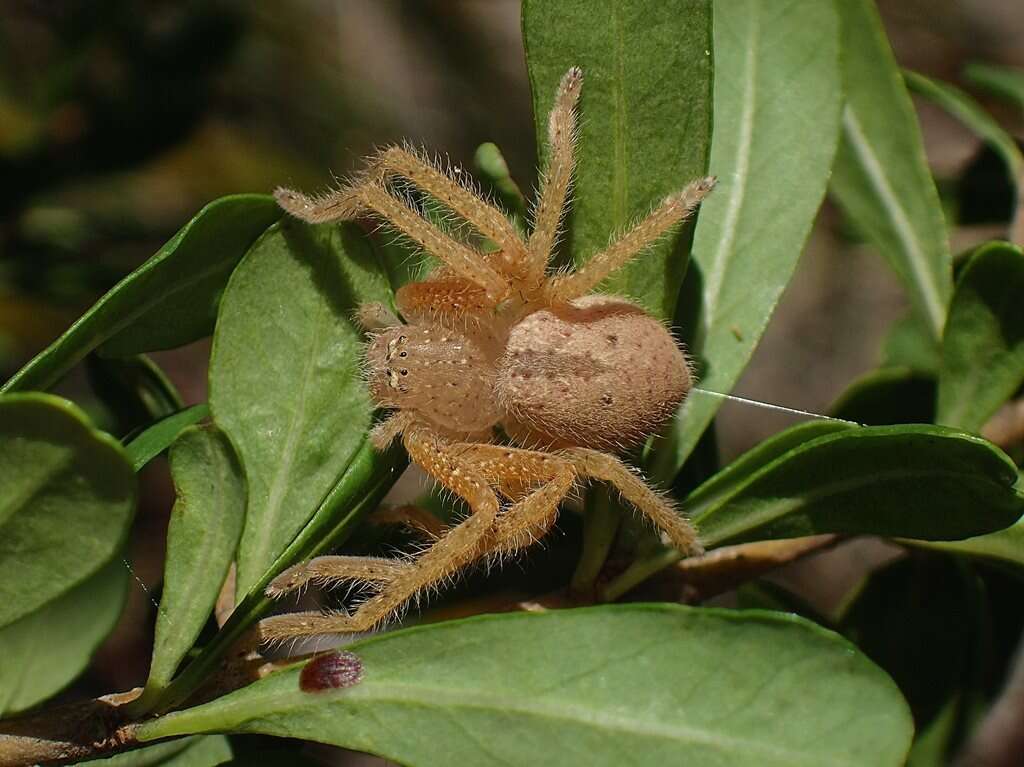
(403, 372)
(403, 354)
(402, 339)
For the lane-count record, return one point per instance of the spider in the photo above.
(490, 340)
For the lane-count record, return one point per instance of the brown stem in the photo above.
(67, 734)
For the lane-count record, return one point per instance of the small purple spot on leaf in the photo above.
(331, 671)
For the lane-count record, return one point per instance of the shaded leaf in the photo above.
(1005, 82)
(285, 384)
(1002, 546)
(67, 501)
(973, 115)
(983, 348)
(645, 121)
(168, 301)
(652, 684)
(881, 176)
(919, 618)
(43, 652)
(200, 751)
(908, 344)
(156, 438)
(881, 480)
(888, 396)
(205, 525)
(777, 99)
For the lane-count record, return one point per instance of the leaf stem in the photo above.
(600, 525)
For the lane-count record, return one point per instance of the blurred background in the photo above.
(119, 119)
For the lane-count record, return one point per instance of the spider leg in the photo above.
(673, 209)
(555, 182)
(330, 570)
(375, 316)
(460, 546)
(413, 517)
(485, 218)
(517, 472)
(608, 468)
(372, 196)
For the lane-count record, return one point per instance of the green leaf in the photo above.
(67, 502)
(147, 445)
(645, 121)
(203, 751)
(881, 176)
(973, 115)
(1004, 82)
(43, 652)
(285, 384)
(777, 99)
(919, 619)
(882, 480)
(983, 348)
(168, 301)
(652, 684)
(888, 396)
(367, 479)
(134, 389)
(206, 523)
(1002, 546)
(908, 344)
(725, 482)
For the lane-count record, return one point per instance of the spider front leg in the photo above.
(673, 210)
(460, 546)
(370, 195)
(554, 189)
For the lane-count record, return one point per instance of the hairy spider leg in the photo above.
(484, 217)
(557, 177)
(673, 210)
(349, 202)
(460, 546)
(411, 517)
(657, 508)
(445, 300)
(330, 570)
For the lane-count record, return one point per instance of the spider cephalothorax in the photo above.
(491, 340)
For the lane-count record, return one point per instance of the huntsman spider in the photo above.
(489, 341)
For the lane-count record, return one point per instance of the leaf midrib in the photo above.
(908, 238)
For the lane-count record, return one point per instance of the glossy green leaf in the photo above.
(147, 445)
(285, 384)
(983, 348)
(883, 480)
(68, 495)
(206, 523)
(973, 115)
(888, 396)
(732, 476)
(200, 751)
(881, 176)
(168, 301)
(43, 652)
(1005, 82)
(777, 99)
(645, 120)
(651, 684)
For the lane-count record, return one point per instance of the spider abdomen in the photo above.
(595, 373)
